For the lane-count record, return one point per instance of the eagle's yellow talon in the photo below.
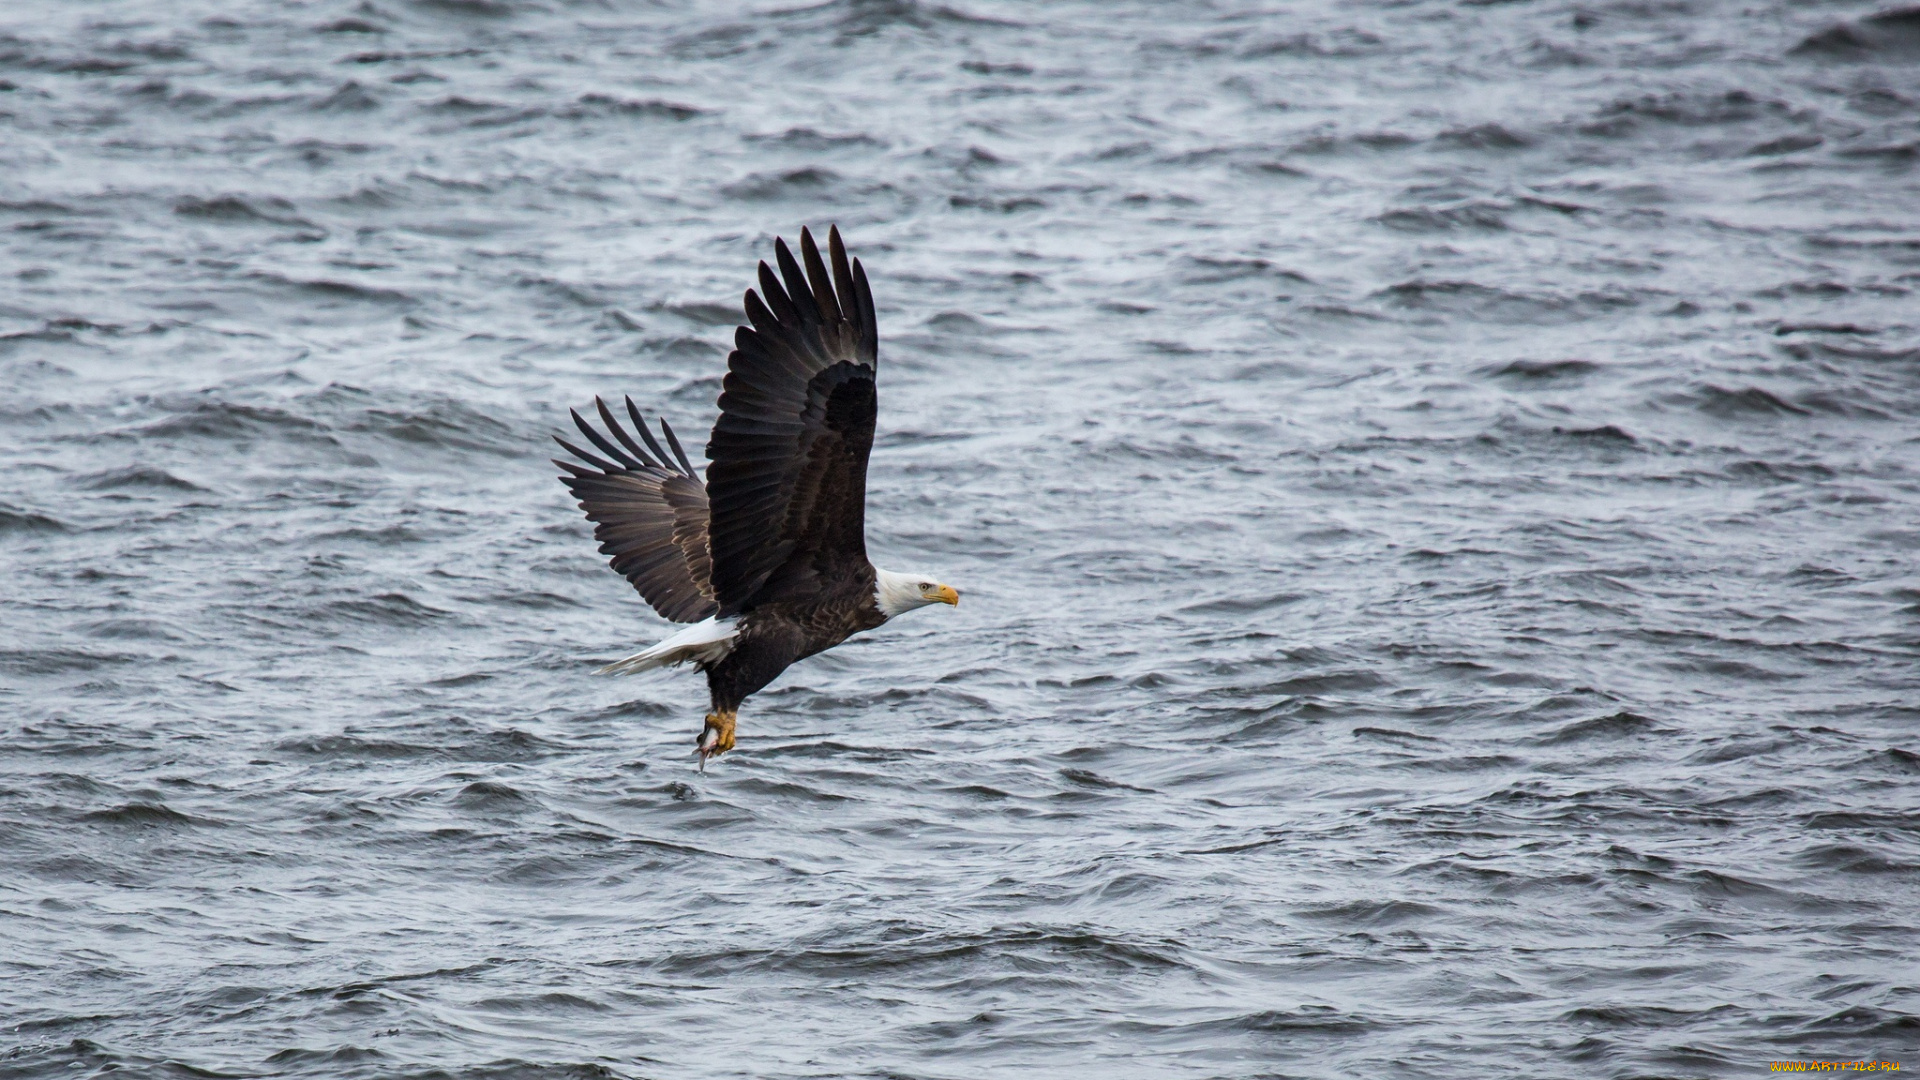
(716, 738)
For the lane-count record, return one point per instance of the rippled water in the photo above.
(1436, 487)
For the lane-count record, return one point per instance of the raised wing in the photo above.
(787, 477)
(649, 513)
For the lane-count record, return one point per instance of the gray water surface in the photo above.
(1435, 487)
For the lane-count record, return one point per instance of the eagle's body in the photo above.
(768, 557)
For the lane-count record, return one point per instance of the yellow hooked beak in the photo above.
(947, 594)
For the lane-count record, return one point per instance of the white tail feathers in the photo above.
(704, 642)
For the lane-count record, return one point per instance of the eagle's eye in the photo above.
(925, 585)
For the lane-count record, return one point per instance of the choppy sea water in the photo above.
(1435, 487)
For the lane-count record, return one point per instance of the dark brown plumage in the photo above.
(771, 550)
(651, 513)
(787, 481)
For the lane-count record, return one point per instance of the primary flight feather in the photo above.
(768, 558)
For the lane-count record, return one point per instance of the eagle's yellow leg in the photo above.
(716, 738)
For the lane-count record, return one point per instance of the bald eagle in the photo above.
(768, 558)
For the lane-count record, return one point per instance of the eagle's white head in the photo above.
(895, 593)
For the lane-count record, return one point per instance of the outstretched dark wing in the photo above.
(787, 477)
(649, 513)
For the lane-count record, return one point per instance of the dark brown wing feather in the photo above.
(649, 512)
(788, 472)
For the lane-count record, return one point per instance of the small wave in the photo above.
(1342, 313)
(1867, 1022)
(75, 323)
(833, 751)
(1209, 270)
(1686, 109)
(1244, 605)
(511, 1068)
(1480, 216)
(350, 26)
(601, 105)
(15, 520)
(348, 97)
(237, 209)
(160, 92)
(471, 9)
(230, 420)
(1832, 350)
(1850, 859)
(1786, 328)
(860, 18)
(1880, 101)
(1090, 779)
(1781, 472)
(1544, 370)
(1369, 912)
(1340, 44)
(1481, 137)
(1716, 884)
(1620, 725)
(1894, 759)
(1607, 433)
(52, 1023)
(690, 351)
(507, 745)
(959, 322)
(390, 535)
(619, 320)
(491, 796)
(48, 334)
(344, 1055)
(1751, 401)
(544, 601)
(82, 1057)
(325, 289)
(782, 789)
(1639, 1016)
(441, 425)
(55, 661)
(1497, 304)
(542, 1004)
(1739, 748)
(980, 792)
(1785, 144)
(1890, 34)
(815, 142)
(351, 748)
(386, 609)
(1893, 153)
(627, 709)
(35, 207)
(1390, 734)
(1465, 763)
(1271, 170)
(761, 187)
(144, 815)
(1862, 820)
(704, 313)
(1332, 682)
(137, 476)
(1011, 205)
(714, 43)
(1306, 1022)
(133, 628)
(1371, 140)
